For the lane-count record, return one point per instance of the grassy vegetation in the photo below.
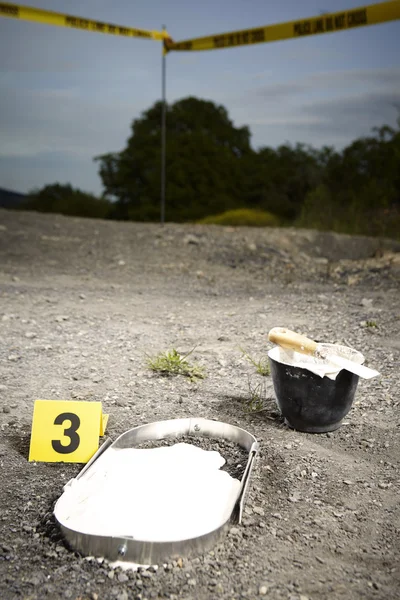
(261, 365)
(172, 362)
(242, 217)
(372, 324)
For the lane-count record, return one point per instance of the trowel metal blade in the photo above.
(353, 367)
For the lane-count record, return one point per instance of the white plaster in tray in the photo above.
(162, 494)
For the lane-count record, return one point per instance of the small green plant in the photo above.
(371, 324)
(173, 363)
(257, 397)
(261, 365)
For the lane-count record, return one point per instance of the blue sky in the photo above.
(68, 95)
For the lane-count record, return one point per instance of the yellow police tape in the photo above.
(27, 13)
(357, 17)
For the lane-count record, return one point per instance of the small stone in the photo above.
(121, 263)
(294, 497)
(191, 239)
(252, 247)
(258, 511)
(192, 582)
(61, 318)
(347, 482)
(303, 597)
(122, 577)
(263, 590)
(82, 296)
(110, 574)
(366, 302)
(13, 357)
(30, 335)
(3, 388)
(383, 485)
(349, 528)
(121, 401)
(6, 409)
(219, 589)
(353, 279)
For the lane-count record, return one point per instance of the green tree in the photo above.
(360, 191)
(203, 163)
(279, 180)
(66, 200)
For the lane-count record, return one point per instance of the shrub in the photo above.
(242, 217)
(65, 200)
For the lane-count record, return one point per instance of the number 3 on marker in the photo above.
(65, 430)
(70, 432)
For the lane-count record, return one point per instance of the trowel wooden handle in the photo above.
(292, 340)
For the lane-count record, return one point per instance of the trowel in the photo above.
(300, 343)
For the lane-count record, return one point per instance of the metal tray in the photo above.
(141, 551)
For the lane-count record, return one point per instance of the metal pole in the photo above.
(163, 131)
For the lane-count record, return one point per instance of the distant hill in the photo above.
(10, 199)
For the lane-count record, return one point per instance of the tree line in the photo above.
(212, 168)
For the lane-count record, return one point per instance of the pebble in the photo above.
(110, 574)
(263, 590)
(6, 409)
(350, 528)
(191, 239)
(30, 335)
(121, 402)
(366, 302)
(122, 578)
(13, 357)
(258, 511)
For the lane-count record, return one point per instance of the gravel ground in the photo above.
(82, 303)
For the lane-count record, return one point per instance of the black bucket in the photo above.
(311, 403)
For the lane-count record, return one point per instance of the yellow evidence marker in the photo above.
(66, 430)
